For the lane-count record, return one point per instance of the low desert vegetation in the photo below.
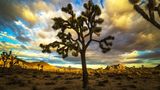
(117, 78)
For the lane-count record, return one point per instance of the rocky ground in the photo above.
(131, 79)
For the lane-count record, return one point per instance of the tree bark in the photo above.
(4, 64)
(84, 70)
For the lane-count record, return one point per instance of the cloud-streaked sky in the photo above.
(24, 24)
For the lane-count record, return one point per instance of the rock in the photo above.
(119, 67)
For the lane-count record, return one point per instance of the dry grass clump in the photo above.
(2, 87)
(47, 76)
(68, 82)
(16, 81)
(34, 88)
(102, 83)
(57, 78)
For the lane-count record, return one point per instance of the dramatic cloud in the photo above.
(131, 31)
(24, 24)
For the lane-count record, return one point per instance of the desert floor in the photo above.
(38, 80)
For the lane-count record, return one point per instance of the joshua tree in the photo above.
(38, 66)
(5, 57)
(13, 61)
(41, 67)
(86, 26)
(149, 11)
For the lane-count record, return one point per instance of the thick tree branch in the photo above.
(150, 16)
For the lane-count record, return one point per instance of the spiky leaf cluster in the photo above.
(91, 17)
(105, 45)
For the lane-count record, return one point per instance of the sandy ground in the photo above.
(36, 80)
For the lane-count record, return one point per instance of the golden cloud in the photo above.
(120, 6)
(41, 5)
(120, 13)
(28, 15)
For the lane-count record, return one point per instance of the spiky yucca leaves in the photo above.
(85, 25)
(149, 13)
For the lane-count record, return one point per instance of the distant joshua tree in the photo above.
(13, 61)
(149, 11)
(85, 26)
(5, 57)
(38, 66)
(42, 67)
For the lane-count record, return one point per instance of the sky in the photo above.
(24, 24)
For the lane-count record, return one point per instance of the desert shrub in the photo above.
(50, 83)
(1, 75)
(77, 77)
(47, 76)
(69, 78)
(146, 77)
(73, 77)
(100, 83)
(158, 87)
(105, 81)
(91, 78)
(135, 81)
(131, 86)
(129, 77)
(111, 75)
(2, 87)
(16, 81)
(156, 72)
(57, 78)
(96, 74)
(29, 81)
(119, 83)
(34, 87)
(118, 78)
(124, 89)
(16, 76)
(91, 88)
(68, 82)
(34, 76)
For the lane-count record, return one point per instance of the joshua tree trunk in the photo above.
(84, 70)
(4, 64)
